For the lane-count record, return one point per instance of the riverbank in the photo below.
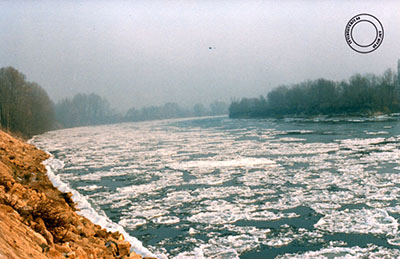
(39, 221)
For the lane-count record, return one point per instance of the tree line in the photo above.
(91, 109)
(84, 110)
(26, 109)
(173, 110)
(360, 95)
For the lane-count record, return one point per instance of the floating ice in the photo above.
(347, 252)
(166, 220)
(240, 162)
(86, 210)
(230, 186)
(89, 188)
(364, 221)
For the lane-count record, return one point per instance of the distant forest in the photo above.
(26, 109)
(91, 109)
(360, 95)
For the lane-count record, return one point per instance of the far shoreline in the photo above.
(316, 116)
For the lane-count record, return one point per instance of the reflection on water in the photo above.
(223, 188)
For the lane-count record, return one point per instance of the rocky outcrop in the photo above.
(39, 221)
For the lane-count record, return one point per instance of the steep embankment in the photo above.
(37, 220)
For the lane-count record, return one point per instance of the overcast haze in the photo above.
(139, 53)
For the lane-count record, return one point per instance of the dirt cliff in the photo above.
(37, 220)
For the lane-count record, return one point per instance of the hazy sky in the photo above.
(150, 52)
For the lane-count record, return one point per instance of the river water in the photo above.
(223, 188)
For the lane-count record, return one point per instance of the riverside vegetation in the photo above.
(27, 110)
(360, 95)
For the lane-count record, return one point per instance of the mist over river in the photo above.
(216, 187)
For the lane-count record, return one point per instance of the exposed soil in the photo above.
(39, 221)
